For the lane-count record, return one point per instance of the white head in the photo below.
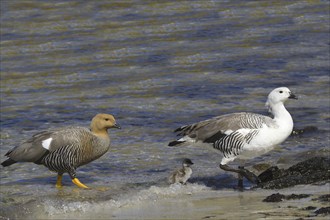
(279, 95)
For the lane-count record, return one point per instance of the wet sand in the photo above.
(194, 201)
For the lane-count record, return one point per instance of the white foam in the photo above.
(56, 208)
(157, 201)
(59, 209)
(155, 193)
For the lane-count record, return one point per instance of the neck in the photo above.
(101, 133)
(281, 114)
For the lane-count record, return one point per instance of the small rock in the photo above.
(323, 211)
(323, 198)
(280, 197)
(274, 198)
(261, 166)
(209, 216)
(309, 208)
(292, 207)
(297, 196)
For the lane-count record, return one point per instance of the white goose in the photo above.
(243, 135)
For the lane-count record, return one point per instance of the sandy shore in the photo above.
(197, 202)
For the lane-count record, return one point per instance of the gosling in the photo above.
(183, 174)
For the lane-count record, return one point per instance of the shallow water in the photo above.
(154, 66)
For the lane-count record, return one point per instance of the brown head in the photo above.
(101, 123)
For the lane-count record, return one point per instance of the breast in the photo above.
(267, 138)
(94, 149)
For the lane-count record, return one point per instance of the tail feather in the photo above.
(9, 152)
(181, 132)
(180, 128)
(8, 162)
(174, 143)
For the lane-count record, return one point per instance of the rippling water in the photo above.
(154, 66)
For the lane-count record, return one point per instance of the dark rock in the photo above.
(308, 208)
(323, 211)
(274, 198)
(209, 216)
(277, 197)
(323, 198)
(270, 174)
(297, 196)
(309, 171)
(261, 166)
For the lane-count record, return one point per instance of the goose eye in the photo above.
(281, 91)
(107, 119)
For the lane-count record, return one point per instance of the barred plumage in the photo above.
(64, 150)
(251, 135)
(62, 160)
(232, 144)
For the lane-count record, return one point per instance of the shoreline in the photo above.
(194, 201)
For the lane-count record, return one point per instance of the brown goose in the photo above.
(63, 150)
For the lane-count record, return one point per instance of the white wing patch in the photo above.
(228, 132)
(46, 143)
(187, 139)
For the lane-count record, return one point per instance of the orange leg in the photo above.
(59, 181)
(78, 183)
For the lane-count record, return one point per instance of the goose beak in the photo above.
(293, 96)
(116, 126)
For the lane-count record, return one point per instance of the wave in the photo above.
(85, 209)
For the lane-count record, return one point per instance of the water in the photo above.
(154, 66)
